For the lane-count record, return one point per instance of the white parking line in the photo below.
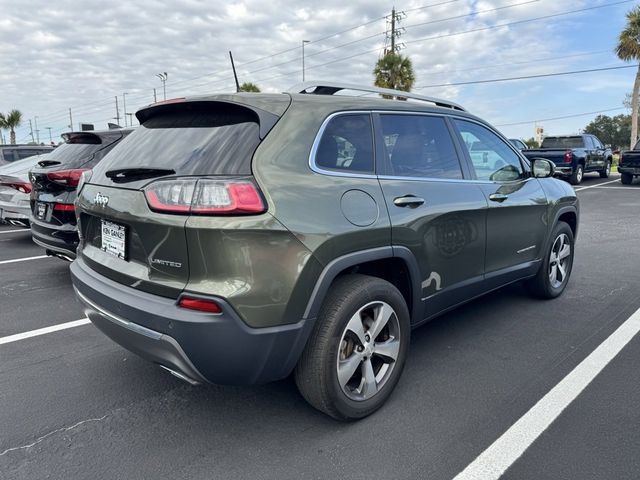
(23, 259)
(14, 231)
(579, 189)
(495, 460)
(43, 331)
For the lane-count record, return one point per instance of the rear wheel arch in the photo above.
(397, 265)
(568, 215)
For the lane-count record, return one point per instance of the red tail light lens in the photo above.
(567, 156)
(64, 207)
(205, 197)
(23, 187)
(68, 178)
(202, 305)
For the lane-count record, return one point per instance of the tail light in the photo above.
(23, 187)
(64, 207)
(567, 156)
(205, 197)
(68, 178)
(200, 304)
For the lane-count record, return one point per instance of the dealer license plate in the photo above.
(114, 239)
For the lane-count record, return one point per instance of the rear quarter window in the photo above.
(346, 144)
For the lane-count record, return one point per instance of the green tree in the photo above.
(11, 121)
(614, 131)
(394, 71)
(532, 143)
(249, 87)
(628, 49)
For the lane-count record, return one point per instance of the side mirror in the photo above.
(542, 168)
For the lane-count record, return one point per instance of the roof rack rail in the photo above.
(330, 88)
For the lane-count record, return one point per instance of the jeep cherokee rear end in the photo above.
(178, 237)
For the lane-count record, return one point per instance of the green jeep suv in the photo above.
(242, 238)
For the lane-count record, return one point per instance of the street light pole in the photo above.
(163, 78)
(35, 120)
(303, 42)
(50, 139)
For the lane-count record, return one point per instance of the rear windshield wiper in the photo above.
(124, 175)
(48, 163)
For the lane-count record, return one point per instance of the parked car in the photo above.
(519, 144)
(15, 189)
(629, 164)
(575, 155)
(55, 181)
(13, 153)
(238, 238)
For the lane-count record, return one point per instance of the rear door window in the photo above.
(205, 138)
(491, 157)
(347, 144)
(419, 146)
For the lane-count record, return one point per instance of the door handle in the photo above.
(498, 197)
(408, 201)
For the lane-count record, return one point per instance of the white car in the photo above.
(15, 190)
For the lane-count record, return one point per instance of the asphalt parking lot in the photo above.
(76, 405)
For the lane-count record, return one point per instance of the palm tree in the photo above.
(394, 71)
(249, 87)
(11, 121)
(628, 49)
(2, 125)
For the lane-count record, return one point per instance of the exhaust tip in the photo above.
(181, 376)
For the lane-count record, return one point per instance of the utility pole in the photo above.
(117, 111)
(235, 75)
(303, 42)
(396, 31)
(31, 129)
(124, 107)
(130, 119)
(50, 139)
(70, 120)
(35, 120)
(155, 99)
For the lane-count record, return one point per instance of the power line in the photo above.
(524, 77)
(574, 115)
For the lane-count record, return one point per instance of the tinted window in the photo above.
(347, 144)
(419, 146)
(597, 143)
(8, 155)
(26, 153)
(204, 139)
(589, 143)
(518, 144)
(563, 142)
(75, 155)
(492, 158)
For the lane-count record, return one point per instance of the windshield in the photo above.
(563, 142)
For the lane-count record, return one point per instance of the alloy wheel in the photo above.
(559, 260)
(369, 348)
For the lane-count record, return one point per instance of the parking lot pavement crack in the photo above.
(59, 430)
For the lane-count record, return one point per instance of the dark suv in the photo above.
(55, 182)
(236, 239)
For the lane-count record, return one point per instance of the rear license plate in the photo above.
(114, 239)
(41, 210)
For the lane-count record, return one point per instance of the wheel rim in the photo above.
(559, 261)
(608, 169)
(368, 351)
(579, 174)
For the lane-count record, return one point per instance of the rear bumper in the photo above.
(629, 170)
(60, 239)
(199, 347)
(564, 171)
(15, 208)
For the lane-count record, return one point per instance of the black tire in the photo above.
(576, 176)
(316, 374)
(626, 178)
(541, 285)
(606, 171)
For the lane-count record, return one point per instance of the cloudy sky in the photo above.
(80, 55)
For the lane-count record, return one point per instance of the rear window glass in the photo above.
(347, 144)
(191, 140)
(75, 155)
(563, 142)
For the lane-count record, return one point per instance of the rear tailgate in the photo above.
(630, 159)
(556, 156)
(176, 145)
